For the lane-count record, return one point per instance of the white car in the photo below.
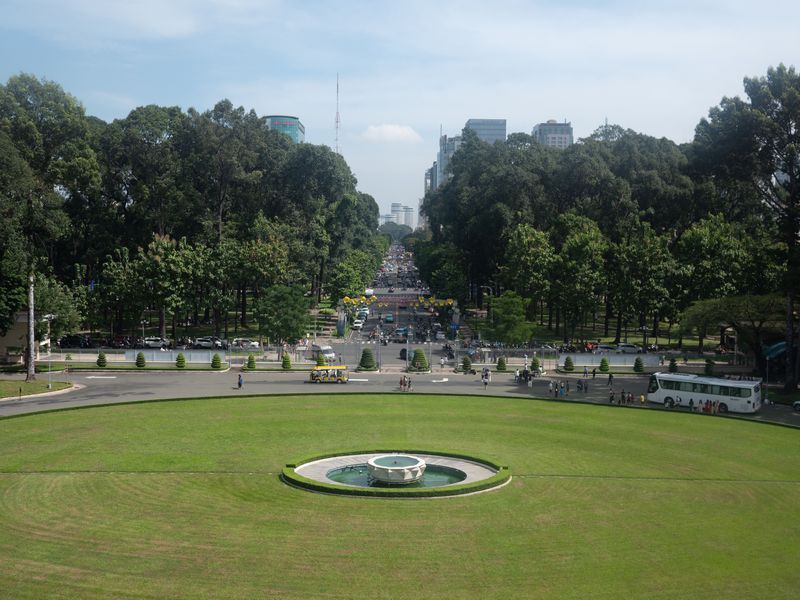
(155, 342)
(204, 342)
(358, 324)
(246, 344)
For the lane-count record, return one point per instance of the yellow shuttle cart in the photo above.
(330, 374)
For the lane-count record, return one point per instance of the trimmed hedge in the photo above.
(216, 361)
(251, 361)
(638, 365)
(180, 361)
(569, 365)
(286, 362)
(604, 365)
(501, 363)
(140, 361)
(101, 360)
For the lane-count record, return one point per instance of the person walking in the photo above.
(610, 379)
(240, 381)
(594, 373)
(485, 381)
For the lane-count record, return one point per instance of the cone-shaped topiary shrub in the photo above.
(501, 363)
(569, 366)
(420, 361)
(367, 362)
(286, 361)
(466, 364)
(216, 361)
(638, 365)
(251, 361)
(101, 360)
(535, 364)
(180, 361)
(140, 362)
(604, 364)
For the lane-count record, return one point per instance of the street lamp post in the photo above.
(49, 318)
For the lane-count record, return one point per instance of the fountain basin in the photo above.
(396, 468)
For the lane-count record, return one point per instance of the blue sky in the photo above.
(405, 68)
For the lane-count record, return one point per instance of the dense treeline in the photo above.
(636, 228)
(181, 212)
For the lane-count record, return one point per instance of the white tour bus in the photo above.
(677, 389)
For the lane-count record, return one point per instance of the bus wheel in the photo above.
(669, 402)
(723, 408)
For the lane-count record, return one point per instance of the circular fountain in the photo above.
(398, 469)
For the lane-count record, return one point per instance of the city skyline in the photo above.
(405, 71)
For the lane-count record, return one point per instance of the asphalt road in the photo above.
(110, 388)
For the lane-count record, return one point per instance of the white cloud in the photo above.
(390, 133)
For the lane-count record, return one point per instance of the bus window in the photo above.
(653, 387)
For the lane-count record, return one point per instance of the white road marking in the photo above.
(440, 380)
(354, 379)
(101, 377)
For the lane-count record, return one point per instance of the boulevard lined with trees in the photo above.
(624, 227)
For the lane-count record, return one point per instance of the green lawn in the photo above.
(182, 500)
(11, 387)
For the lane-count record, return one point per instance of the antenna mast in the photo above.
(338, 119)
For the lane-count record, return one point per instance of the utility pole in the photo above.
(31, 374)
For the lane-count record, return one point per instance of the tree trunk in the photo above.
(162, 321)
(244, 305)
(558, 320)
(618, 337)
(607, 317)
(790, 383)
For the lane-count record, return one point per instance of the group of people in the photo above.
(624, 399)
(405, 384)
(709, 407)
(525, 376)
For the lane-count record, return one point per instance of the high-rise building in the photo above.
(397, 212)
(552, 133)
(447, 147)
(488, 130)
(291, 126)
(408, 216)
(383, 219)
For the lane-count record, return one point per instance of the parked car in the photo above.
(605, 348)
(204, 342)
(155, 342)
(245, 344)
(628, 349)
(388, 318)
(74, 341)
(358, 324)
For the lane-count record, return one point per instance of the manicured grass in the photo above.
(182, 499)
(11, 387)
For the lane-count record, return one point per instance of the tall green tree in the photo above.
(282, 314)
(755, 143)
